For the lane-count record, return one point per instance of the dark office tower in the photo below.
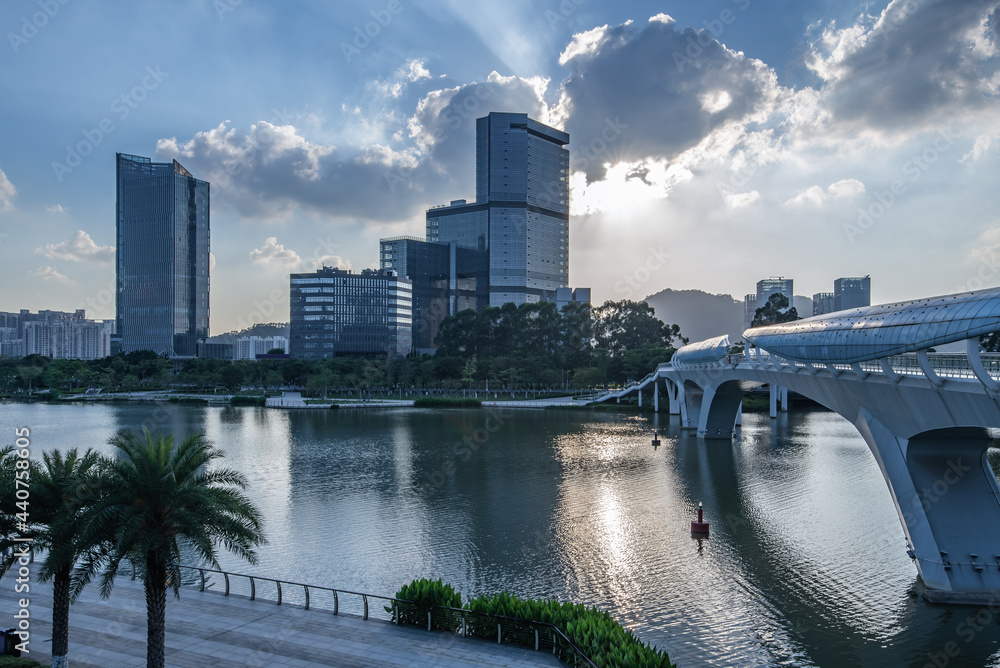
(521, 213)
(446, 279)
(162, 260)
(852, 292)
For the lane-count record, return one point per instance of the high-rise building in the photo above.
(521, 213)
(163, 256)
(336, 312)
(822, 303)
(852, 292)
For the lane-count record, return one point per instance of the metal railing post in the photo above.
(253, 589)
(306, 588)
(336, 603)
(278, 582)
(365, 599)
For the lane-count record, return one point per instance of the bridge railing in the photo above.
(945, 365)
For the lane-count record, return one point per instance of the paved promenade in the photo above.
(209, 630)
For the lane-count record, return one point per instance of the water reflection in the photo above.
(805, 565)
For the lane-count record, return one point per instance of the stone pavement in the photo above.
(209, 630)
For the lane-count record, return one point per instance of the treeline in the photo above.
(532, 346)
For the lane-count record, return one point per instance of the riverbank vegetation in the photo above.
(510, 349)
(595, 632)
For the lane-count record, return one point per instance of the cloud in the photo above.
(272, 170)
(56, 208)
(273, 253)
(81, 248)
(671, 99)
(47, 273)
(817, 196)
(415, 71)
(332, 261)
(982, 147)
(915, 65)
(738, 200)
(7, 193)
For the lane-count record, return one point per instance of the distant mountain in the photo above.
(264, 330)
(700, 315)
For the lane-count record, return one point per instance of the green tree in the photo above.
(773, 312)
(62, 489)
(155, 496)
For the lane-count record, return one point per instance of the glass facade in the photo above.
(162, 262)
(822, 304)
(336, 312)
(446, 279)
(521, 213)
(852, 292)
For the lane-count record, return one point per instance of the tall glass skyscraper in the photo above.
(161, 269)
(521, 213)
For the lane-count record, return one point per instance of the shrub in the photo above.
(447, 402)
(594, 631)
(419, 596)
(243, 400)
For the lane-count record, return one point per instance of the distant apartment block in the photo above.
(55, 334)
(162, 223)
(336, 312)
(248, 347)
(822, 303)
(852, 292)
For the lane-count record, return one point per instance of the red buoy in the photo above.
(699, 528)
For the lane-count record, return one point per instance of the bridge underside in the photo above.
(930, 442)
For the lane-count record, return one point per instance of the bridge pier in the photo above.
(656, 397)
(784, 399)
(674, 398)
(772, 391)
(948, 502)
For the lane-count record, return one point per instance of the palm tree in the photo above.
(155, 497)
(61, 491)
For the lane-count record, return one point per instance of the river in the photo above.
(806, 564)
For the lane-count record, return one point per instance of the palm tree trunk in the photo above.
(156, 612)
(60, 618)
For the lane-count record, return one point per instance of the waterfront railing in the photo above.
(541, 636)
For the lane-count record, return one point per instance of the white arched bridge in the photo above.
(928, 418)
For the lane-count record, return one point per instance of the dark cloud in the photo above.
(655, 91)
(917, 65)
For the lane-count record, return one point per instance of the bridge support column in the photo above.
(948, 502)
(784, 400)
(656, 397)
(739, 415)
(673, 396)
(640, 398)
(772, 391)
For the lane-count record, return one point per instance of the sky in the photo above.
(713, 142)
